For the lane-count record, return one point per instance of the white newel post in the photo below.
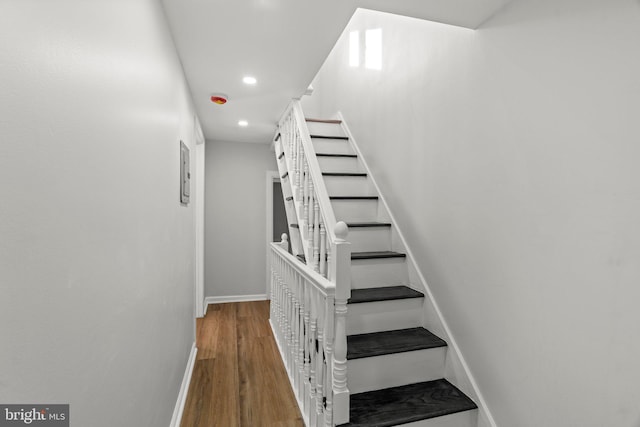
(284, 242)
(341, 275)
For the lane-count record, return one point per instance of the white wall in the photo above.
(96, 252)
(510, 157)
(235, 226)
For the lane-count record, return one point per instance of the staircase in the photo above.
(395, 367)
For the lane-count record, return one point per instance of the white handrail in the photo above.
(315, 172)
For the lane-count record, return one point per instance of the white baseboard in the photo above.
(176, 419)
(235, 298)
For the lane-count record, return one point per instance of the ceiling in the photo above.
(282, 43)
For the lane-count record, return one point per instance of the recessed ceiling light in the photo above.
(243, 123)
(250, 80)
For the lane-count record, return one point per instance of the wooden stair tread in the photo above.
(281, 155)
(368, 224)
(352, 156)
(353, 197)
(290, 198)
(383, 294)
(405, 404)
(391, 342)
(358, 174)
(295, 226)
(377, 255)
(334, 121)
(345, 138)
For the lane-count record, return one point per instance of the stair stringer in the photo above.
(457, 370)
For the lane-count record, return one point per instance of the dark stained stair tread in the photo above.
(294, 226)
(368, 224)
(281, 155)
(352, 156)
(391, 342)
(383, 294)
(405, 404)
(353, 197)
(290, 198)
(358, 174)
(333, 121)
(377, 255)
(345, 138)
(286, 174)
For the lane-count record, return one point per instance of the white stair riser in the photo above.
(376, 273)
(459, 419)
(325, 129)
(349, 186)
(339, 164)
(355, 210)
(364, 239)
(334, 146)
(367, 317)
(391, 370)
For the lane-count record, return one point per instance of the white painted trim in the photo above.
(176, 419)
(272, 176)
(451, 340)
(235, 298)
(199, 217)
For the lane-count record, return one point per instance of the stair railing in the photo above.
(309, 300)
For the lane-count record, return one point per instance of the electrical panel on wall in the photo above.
(185, 174)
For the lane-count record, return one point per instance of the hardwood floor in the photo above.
(239, 379)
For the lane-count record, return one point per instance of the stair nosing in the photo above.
(342, 138)
(353, 197)
(330, 121)
(377, 255)
(368, 224)
(352, 174)
(352, 156)
(410, 294)
(436, 342)
(465, 404)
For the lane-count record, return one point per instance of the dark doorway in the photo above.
(279, 214)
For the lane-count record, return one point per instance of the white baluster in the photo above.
(300, 167)
(305, 214)
(323, 250)
(329, 342)
(310, 221)
(296, 331)
(301, 337)
(307, 349)
(320, 364)
(313, 353)
(316, 235)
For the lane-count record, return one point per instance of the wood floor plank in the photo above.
(239, 379)
(198, 404)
